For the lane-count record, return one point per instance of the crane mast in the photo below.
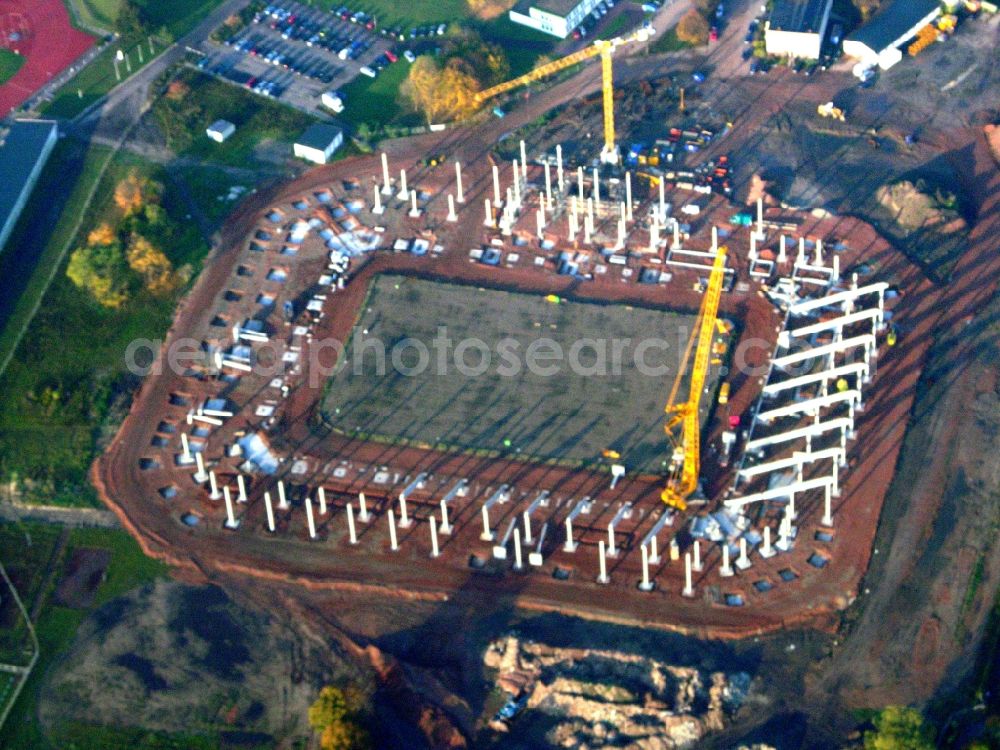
(682, 481)
(605, 48)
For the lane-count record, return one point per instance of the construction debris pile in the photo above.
(599, 698)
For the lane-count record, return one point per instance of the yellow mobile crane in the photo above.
(685, 462)
(603, 47)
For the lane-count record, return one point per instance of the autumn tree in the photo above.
(440, 93)
(154, 268)
(335, 715)
(489, 9)
(693, 28)
(899, 728)
(134, 192)
(867, 8)
(102, 271)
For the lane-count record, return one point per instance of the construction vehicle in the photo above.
(828, 110)
(683, 427)
(924, 39)
(604, 48)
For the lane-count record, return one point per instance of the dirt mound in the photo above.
(993, 138)
(917, 205)
(593, 698)
(171, 657)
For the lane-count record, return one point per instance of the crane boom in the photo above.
(686, 459)
(603, 47)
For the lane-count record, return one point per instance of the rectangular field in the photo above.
(459, 367)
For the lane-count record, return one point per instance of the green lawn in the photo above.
(376, 101)
(97, 79)
(100, 13)
(177, 16)
(668, 42)
(56, 625)
(405, 14)
(522, 45)
(258, 120)
(10, 63)
(75, 348)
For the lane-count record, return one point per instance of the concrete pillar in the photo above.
(688, 583)
(445, 526)
(496, 185)
(573, 227)
(363, 506)
(597, 188)
(487, 535)
(654, 235)
(579, 182)
(559, 168)
(527, 528)
(393, 541)
(621, 233)
(214, 495)
(715, 239)
(242, 486)
(403, 192)
(726, 570)
(663, 204)
(517, 186)
(800, 259)
(654, 555)
(836, 268)
(489, 221)
(201, 475)
(697, 556)
(524, 164)
(458, 182)
(414, 209)
(588, 227)
(351, 531)
(622, 211)
(377, 209)
(818, 259)
(386, 183)
(676, 245)
(835, 488)
(452, 216)
(753, 248)
(321, 492)
(628, 195)
(760, 219)
(186, 456)
(231, 522)
(282, 501)
(603, 577)
(309, 518)
(404, 518)
(743, 561)
(782, 256)
(827, 509)
(645, 584)
(570, 545)
(766, 550)
(270, 512)
(434, 537)
(612, 550)
(548, 182)
(518, 565)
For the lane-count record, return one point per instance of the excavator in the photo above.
(603, 47)
(683, 426)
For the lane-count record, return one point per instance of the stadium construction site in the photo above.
(248, 450)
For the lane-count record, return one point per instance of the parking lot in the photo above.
(296, 53)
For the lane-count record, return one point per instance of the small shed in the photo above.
(318, 143)
(220, 130)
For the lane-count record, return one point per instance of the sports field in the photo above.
(474, 369)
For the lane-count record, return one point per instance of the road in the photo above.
(64, 516)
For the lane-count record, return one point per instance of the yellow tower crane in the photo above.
(685, 461)
(603, 47)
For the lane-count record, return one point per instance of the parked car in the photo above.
(391, 56)
(366, 71)
(410, 57)
(713, 34)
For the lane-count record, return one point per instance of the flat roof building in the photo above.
(318, 143)
(878, 42)
(555, 17)
(796, 28)
(25, 146)
(220, 130)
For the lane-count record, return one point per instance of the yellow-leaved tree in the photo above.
(488, 9)
(693, 28)
(440, 93)
(102, 271)
(155, 268)
(133, 192)
(334, 716)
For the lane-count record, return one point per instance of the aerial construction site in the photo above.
(488, 363)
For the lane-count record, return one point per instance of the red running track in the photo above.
(43, 35)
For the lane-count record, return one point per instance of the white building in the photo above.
(796, 28)
(220, 130)
(555, 17)
(318, 143)
(879, 41)
(25, 146)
